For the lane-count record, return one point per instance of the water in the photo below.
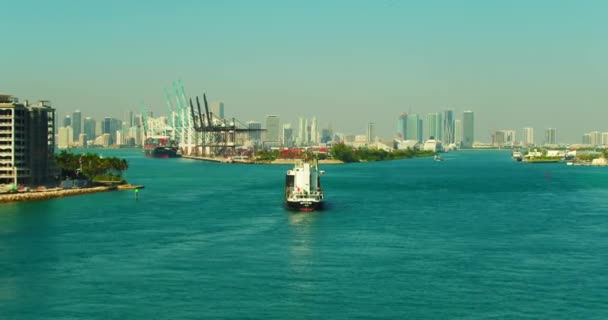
(476, 236)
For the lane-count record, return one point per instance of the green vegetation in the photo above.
(347, 154)
(90, 166)
(267, 155)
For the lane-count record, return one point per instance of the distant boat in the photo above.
(303, 186)
(517, 155)
(437, 158)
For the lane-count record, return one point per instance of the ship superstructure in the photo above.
(303, 186)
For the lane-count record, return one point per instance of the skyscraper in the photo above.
(371, 134)
(301, 131)
(550, 136)
(434, 125)
(402, 126)
(458, 132)
(89, 128)
(448, 126)
(314, 131)
(527, 136)
(468, 129)
(218, 109)
(76, 124)
(255, 136)
(287, 135)
(272, 129)
(414, 128)
(67, 121)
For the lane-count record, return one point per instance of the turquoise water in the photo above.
(476, 236)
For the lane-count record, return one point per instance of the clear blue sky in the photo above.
(515, 63)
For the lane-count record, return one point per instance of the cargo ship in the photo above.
(161, 147)
(303, 186)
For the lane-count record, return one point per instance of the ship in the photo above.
(161, 147)
(303, 186)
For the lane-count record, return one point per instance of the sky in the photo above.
(514, 63)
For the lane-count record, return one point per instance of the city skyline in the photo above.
(267, 58)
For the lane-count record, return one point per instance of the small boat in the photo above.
(437, 158)
(303, 186)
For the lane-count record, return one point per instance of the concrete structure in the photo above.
(468, 129)
(27, 142)
(64, 137)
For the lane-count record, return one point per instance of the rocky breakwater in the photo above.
(58, 193)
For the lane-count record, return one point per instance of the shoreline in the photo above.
(60, 193)
(238, 161)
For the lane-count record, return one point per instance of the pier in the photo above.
(59, 193)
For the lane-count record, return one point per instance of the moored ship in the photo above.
(303, 186)
(161, 147)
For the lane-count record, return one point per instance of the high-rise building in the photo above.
(28, 142)
(402, 126)
(434, 125)
(604, 138)
(527, 137)
(110, 126)
(326, 135)
(314, 131)
(550, 136)
(255, 136)
(458, 132)
(301, 140)
(67, 121)
(77, 124)
(89, 128)
(448, 126)
(287, 135)
(217, 108)
(498, 138)
(596, 138)
(65, 137)
(371, 134)
(82, 140)
(586, 139)
(468, 129)
(414, 128)
(272, 129)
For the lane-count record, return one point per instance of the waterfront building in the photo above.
(82, 140)
(414, 128)
(27, 140)
(498, 138)
(468, 129)
(111, 126)
(434, 125)
(272, 130)
(604, 138)
(77, 124)
(550, 136)
(65, 137)
(527, 137)
(448, 126)
(458, 132)
(596, 138)
(371, 134)
(586, 139)
(402, 126)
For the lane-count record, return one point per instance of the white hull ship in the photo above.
(303, 186)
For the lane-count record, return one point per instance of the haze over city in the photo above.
(516, 64)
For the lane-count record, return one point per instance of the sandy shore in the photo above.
(58, 193)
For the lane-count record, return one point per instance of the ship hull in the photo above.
(161, 152)
(306, 206)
